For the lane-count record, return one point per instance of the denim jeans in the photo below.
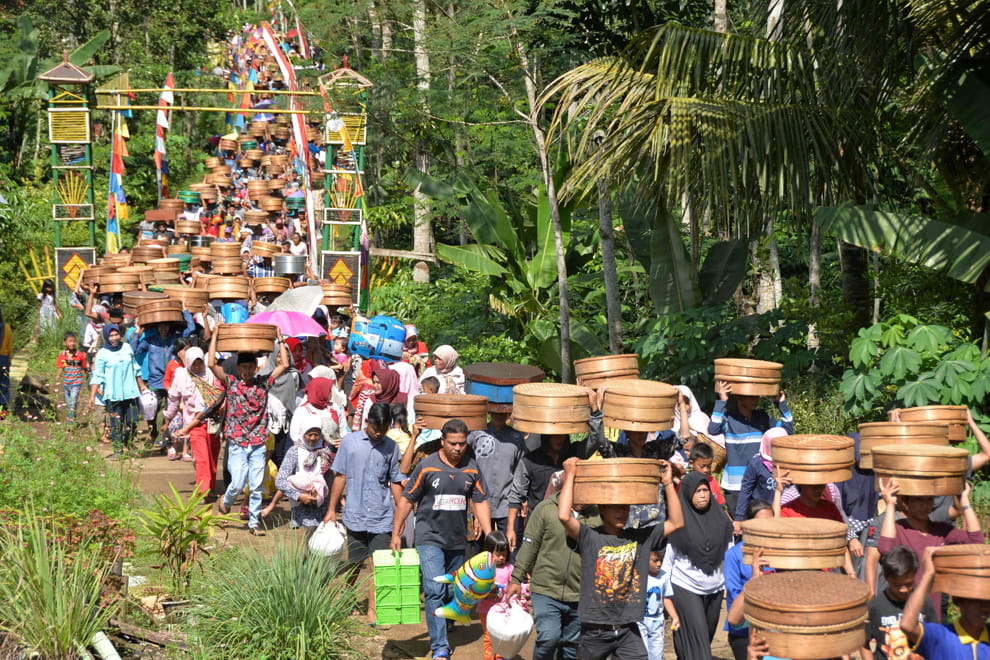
(435, 561)
(247, 465)
(557, 627)
(71, 394)
(123, 416)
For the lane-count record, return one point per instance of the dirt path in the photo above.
(400, 642)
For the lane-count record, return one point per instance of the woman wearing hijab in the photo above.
(386, 384)
(758, 482)
(302, 476)
(117, 380)
(200, 395)
(408, 382)
(317, 402)
(859, 504)
(445, 370)
(694, 560)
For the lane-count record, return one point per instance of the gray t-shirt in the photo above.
(614, 571)
(497, 454)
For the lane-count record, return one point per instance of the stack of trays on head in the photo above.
(796, 543)
(271, 284)
(922, 470)
(119, 282)
(495, 380)
(878, 434)
(159, 311)
(142, 254)
(550, 408)
(808, 615)
(617, 481)
(262, 249)
(134, 299)
(639, 405)
(336, 295)
(814, 459)
(246, 337)
(594, 371)
(963, 570)
(955, 416)
(229, 288)
(190, 299)
(436, 409)
(750, 377)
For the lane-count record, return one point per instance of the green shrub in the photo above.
(284, 605)
(58, 474)
(50, 603)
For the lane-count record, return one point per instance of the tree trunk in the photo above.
(775, 17)
(855, 283)
(422, 227)
(720, 16)
(613, 306)
(814, 279)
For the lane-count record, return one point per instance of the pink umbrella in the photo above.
(292, 324)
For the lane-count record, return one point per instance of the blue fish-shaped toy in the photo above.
(472, 582)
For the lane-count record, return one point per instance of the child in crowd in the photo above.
(611, 605)
(340, 351)
(899, 566)
(810, 503)
(72, 369)
(659, 599)
(497, 544)
(429, 385)
(700, 459)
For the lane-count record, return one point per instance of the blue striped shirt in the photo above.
(743, 436)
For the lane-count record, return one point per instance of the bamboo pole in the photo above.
(207, 90)
(247, 111)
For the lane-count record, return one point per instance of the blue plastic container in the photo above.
(380, 337)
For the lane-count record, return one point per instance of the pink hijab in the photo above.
(767, 444)
(408, 380)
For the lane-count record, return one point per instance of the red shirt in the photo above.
(798, 509)
(170, 368)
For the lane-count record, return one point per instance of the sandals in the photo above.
(172, 455)
(223, 508)
(187, 458)
(257, 531)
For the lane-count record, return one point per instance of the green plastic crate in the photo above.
(397, 583)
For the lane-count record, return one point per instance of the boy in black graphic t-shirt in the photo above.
(899, 568)
(614, 569)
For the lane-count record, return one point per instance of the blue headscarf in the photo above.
(107, 329)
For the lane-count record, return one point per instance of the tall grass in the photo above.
(49, 596)
(285, 605)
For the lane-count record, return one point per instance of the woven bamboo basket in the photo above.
(202, 252)
(212, 162)
(92, 273)
(144, 272)
(134, 299)
(209, 196)
(275, 185)
(190, 299)
(167, 277)
(275, 169)
(923, 470)
(796, 543)
(142, 254)
(202, 187)
(221, 169)
(258, 128)
(227, 265)
(222, 180)
(878, 434)
(617, 481)
(171, 204)
(336, 295)
(282, 133)
(963, 570)
(280, 159)
(254, 154)
(592, 372)
(168, 264)
(815, 459)
(266, 160)
(808, 615)
(271, 284)
(246, 337)
(954, 416)
(228, 145)
(750, 377)
(259, 185)
(245, 163)
(161, 310)
(116, 260)
(436, 409)
(639, 405)
(270, 204)
(119, 282)
(177, 248)
(550, 408)
(226, 249)
(188, 226)
(262, 249)
(229, 288)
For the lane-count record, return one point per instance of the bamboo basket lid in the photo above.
(276, 185)
(178, 248)
(190, 299)
(257, 185)
(246, 337)
(245, 162)
(162, 310)
(227, 265)
(550, 408)
(188, 226)
(133, 299)
(228, 145)
(815, 459)
(92, 273)
(954, 416)
(617, 481)
(280, 159)
(212, 162)
(226, 249)
(254, 154)
(255, 217)
(436, 409)
(201, 252)
(796, 543)
(592, 372)
(167, 277)
(876, 434)
(203, 187)
(140, 271)
(112, 282)
(749, 377)
(922, 470)
(222, 180)
(262, 249)
(171, 203)
(221, 169)
(963, 570)
(166, 264)
(639, 405)
(228, 288)
(145, 253)
(272, 284)
(336, 295)
(808, 615)
(270, 203)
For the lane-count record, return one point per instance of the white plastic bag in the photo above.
(149, 405)
(327, 540)
(509, 626)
